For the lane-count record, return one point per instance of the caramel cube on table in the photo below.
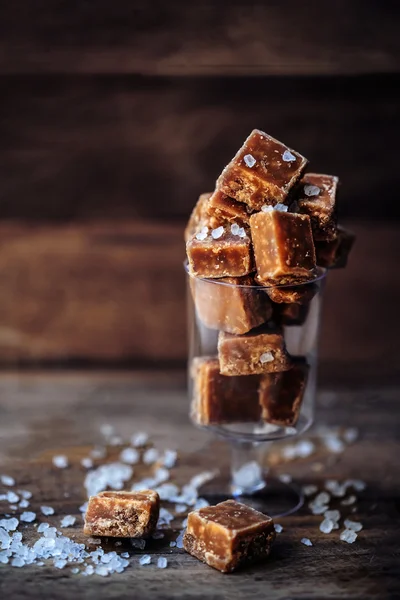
(334, 254)
(263, 171)
(198, 217)
(229, 535)
(218, 253)
(317, 199)
(300, 294)
(283, 248)
(122, 514)
(220, 400)
(222, 209)
(229, 304)
(262, 350)
(281, 395)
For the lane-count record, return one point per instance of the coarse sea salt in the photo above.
(249, 160)
(87, 462)
(349, 501)
(67, 521)
(248, 476)
(327, 525)
(278, 528)
(311, 190)
(139, 439)
(287, 156)
(333, 515)
(150, 456)
(266, 357)
(309, 490)
(60, 461)
(42, 527)
(348, 535)
(112, 475)
(201, 236)
(28, 517)
(217, 232)
(267, 208)
(353, 525)
(47, 510)
(306, 542)
(280, 207)
(130, 456)
(26, 494)
(12, 497)
(169, 458)
(24, 504)
(241, 233)
(7, 480)
(145, 559)
(162, 562)
(10, 524)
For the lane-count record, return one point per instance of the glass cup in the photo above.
(234, 407)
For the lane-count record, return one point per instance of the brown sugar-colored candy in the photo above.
(122, 514)
(221, 209)
(218, 253)
(229, 535)
(300, 294)
(262, 350)
(263, 171)
(334, 254)
(283, 248)
(281, 395)
(291, 314)
(218, 399)
(198, 217)
(317, 199)
(229, 304)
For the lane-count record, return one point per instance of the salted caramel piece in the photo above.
(262, 350)
(291, 314)
(230, 304)
(122, 514)
(218, 253)
(229, 535)
(283, 247)
(222, 209)
(198, 217)
(317, 199)
(218, 399)
(281, 395)
(334, 254)
(299, 294)
(263, 171)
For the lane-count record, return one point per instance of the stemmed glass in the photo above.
(209, 305)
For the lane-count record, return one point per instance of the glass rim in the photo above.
(321, 274)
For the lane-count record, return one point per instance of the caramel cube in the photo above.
(229, 535)
(260, 351)
(317, 199)
(291, 314)
(122, 514)
(218, 399)
(219, 253)
(283, 247)
(299, 294)
(198, 217)
(334, 254)
(262, 172)
(229, 304)
(281, 395)
(222, 209)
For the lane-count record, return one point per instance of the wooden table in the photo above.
(44, 414)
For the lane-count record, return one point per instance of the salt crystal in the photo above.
(322, 498)
(201, 236)
(349, 501)
(241, 233)
(145, 559)
(201, 478)
(235, 229)
(5, 539)
(333, 515)
(112, 475)
(280, 207)
(60, 461)
(42, 527)
(288, 156)
(87, 462)
(144, 484)
(150, 456)
(334, 444)
(24, 504)
(318, 509)
(326, 526)
(47, 510)
(50, 533)
(161, 475)
(180, 508)
(13, 506)
(306, 541)
(266, 357)
(129, 456)
(89, 570)
(249, 160)
(27, 517)
(67, 521)
(139, 439)
(165, 517)
(248, 475)
(357, 484)
(17, 562)
(169, 458)
(7, 480)
(162, 563)
(350, 435)
(278, 528)
(348, 535)
(75, 571)
(179, 540)
(26, 494)
(353, 525)
(285, 478)
(125, 554)
(217, 233)
(311, 190)
(98, 452)
(167, 491)
(335, 488)
(60, 563)
(4, 557)
(102, 570)
(200, 503)
(138, 543)
(83, 507)
(94, 541)
(309, 490)
(267, 208)
(115, 440)
(172, 544)
(107, 430)
(9, 524)
(12, 497)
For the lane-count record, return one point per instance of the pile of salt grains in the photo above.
(63, 551)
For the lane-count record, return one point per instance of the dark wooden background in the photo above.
(114, 118)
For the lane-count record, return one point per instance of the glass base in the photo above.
(273, 497)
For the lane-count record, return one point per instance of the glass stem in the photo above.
(247, 467)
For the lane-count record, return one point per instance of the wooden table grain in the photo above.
(47, 413)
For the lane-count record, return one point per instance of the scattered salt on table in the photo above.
(60, 461)
(162, 563)
(306, 542)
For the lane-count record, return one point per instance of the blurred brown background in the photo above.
(114, 118)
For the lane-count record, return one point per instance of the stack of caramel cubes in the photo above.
(261, 235)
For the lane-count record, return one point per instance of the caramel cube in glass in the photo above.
(299, 294)
(218, 399)
(222, 209)
(198, 217)
(334, 254)
(122, 514)
(281, 395)
(229, 535)
(218, 253)
(283, 248)
(317, 199)
(263, 172)
(229, 304)
(291, 314)
(262, 350)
